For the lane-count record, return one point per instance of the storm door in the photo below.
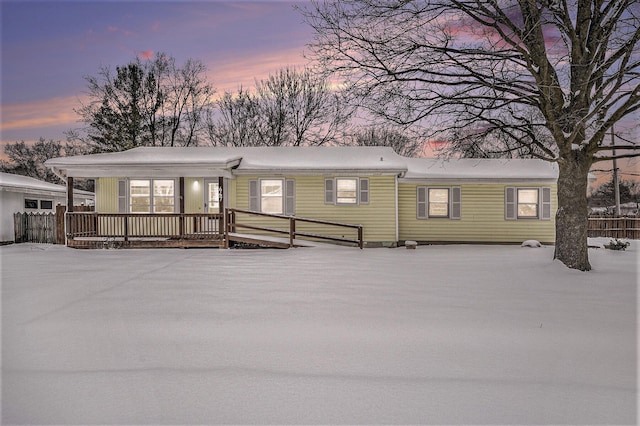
(212, 195)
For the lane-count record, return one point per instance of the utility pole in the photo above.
(616, 183)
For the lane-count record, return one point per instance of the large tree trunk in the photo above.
(573, 214)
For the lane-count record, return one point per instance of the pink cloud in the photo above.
(145, 54)
(40, 113)
(155, 26)
(228, 73)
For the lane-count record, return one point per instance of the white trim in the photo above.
(448, 203)
(357, 191)
(282, 197)
(517, 193)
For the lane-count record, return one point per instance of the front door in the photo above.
(211, 196)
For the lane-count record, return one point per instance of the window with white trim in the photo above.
(438, 202)
(273, 196)
(346, 191)
(152, 195)
(527, 203)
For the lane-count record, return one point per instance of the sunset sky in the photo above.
(48, 47)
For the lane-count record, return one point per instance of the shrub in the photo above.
(617, 244)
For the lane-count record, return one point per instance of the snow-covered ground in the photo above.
(440, 334)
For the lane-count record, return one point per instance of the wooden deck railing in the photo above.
(291, 230)
(614, 227)
(185, 226)
(196, 228)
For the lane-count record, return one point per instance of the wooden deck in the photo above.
(141, 230)
(189, 230)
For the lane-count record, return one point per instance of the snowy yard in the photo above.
(440, 334)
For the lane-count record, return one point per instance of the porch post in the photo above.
(221, 194)
(69, 194)
(221, 210)
(181, 189)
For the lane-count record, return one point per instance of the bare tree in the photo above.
(28, 159)
(146, 103)
(235, 120)
(403, 143)
(289, 108)
(548, 78)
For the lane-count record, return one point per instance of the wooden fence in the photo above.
(35, 227)
(615, 227)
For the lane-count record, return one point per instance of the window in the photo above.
(30, 204)
(163, 199)
(438, 202)
(441, 203)
(140, 196)
(152, 195)
(273, 196)
(346, 191)
(527, 203)
(271, 200)
(46, 204)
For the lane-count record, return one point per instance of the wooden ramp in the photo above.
(289, 230)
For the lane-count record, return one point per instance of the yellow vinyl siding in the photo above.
(231, 198)
(377, 217)
(194, 195)
(107, 194)
(482, 217)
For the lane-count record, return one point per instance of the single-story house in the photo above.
(393, 198)
(23, 194)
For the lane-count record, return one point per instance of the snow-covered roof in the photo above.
(480, 169)
(213, 157)
(321, 159)
(11, 182)
(229, 161)
(150, 162)
(208, 161)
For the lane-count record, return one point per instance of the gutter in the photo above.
(322, 171)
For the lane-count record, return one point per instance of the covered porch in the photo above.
(176, 228)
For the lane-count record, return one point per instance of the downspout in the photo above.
(397, 224)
